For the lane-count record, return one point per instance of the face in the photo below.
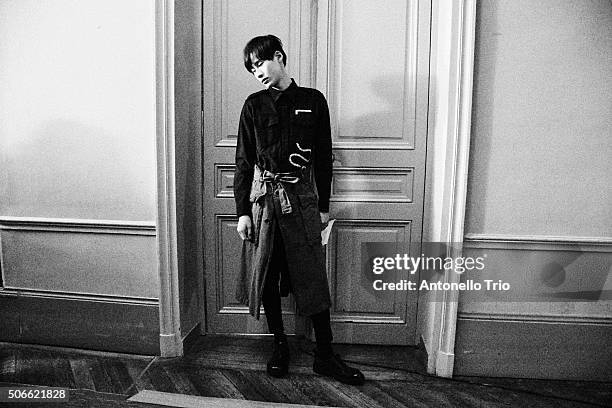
(268, 72)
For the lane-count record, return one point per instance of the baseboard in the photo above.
(445, 364)
(531, 349)
(102, 325)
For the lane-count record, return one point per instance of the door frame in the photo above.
(170, 341)
(449, 122)
(449, 126)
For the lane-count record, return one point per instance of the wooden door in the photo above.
(371, 62)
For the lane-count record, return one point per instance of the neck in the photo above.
(284, 83)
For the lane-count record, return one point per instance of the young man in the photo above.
(283, 140)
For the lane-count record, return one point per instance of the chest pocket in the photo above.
(268, 131)
(304, 125)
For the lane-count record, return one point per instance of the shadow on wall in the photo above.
(69, 170)
(387, 121)
(383, 115)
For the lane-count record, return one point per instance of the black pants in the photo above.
(271, 298)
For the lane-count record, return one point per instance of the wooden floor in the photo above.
(235, 368)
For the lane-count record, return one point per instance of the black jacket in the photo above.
(280, 132)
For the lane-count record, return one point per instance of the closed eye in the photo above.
(256, 64)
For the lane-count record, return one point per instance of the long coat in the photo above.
(301, 237)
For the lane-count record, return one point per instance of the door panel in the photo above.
(371, 62)
(354, 294)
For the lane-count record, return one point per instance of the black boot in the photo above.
(331, 365)
(278, 365)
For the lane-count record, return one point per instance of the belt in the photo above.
(278, 179)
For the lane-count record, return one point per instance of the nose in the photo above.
(258, 73)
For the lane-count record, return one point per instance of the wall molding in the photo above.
(48, 294)
(539, 318)
(91, 226)
(538, 242)
(82, 258)
(347, 317)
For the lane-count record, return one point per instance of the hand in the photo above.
(324, 218)
(245, 227)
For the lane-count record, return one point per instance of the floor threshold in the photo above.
(194, 401)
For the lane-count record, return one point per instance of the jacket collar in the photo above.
(290, 91)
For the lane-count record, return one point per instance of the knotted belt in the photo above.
(278, 179)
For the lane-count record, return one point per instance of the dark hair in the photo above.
(263, 47)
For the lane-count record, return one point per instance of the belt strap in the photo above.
(279, 179)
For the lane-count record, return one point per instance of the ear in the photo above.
(279, 56)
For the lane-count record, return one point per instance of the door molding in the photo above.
(451, 72)
(170, 342)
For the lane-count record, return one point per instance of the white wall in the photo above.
(77, 105)
(542, 123)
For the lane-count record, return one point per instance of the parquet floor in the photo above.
(234, 367)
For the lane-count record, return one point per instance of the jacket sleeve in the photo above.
(245, 161)
(323, 158)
